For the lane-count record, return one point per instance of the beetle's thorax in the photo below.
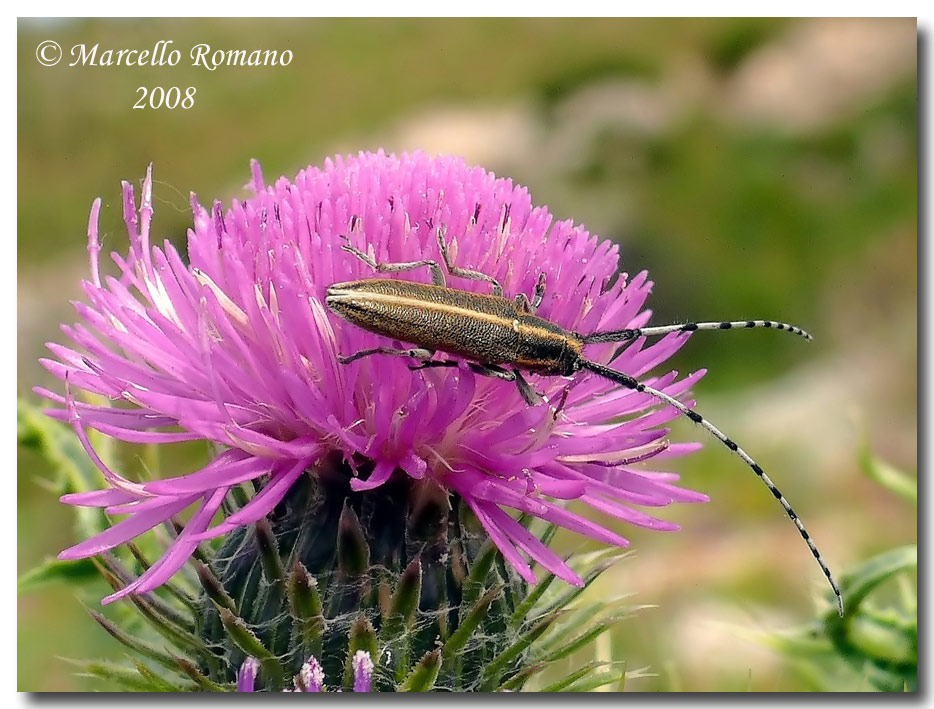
(546, 347)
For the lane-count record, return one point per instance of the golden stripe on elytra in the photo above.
(446, 308)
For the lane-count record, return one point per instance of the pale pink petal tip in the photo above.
(312, 675)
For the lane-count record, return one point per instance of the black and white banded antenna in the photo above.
(632, 383)
(633, 333)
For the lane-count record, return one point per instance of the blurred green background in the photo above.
(756, 168)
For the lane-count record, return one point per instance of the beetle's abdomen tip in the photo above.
(335, 296)
(339, 290)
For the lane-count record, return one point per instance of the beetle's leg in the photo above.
(437, 275)
(432, 363)
(522, 300)
(491, 370)
(416, 353)
(465, 272)
(539, 292)
(486, 370)
(532, 397)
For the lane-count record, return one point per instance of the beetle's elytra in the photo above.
(487, 329)
(501, 337)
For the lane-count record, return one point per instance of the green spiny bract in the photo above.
(875, 644)
(404, 572)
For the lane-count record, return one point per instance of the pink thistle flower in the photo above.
(235, 346)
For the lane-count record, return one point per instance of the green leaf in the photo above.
(269, 557)
(130, 679)
(520, 678)
(306, 607)
(404, 601)
(594, 631)
(402, 608)
(213, 588)
(888, 476)
(476, 579)
(868, 646)
(181, 638)
(566, 681)
(190, 669)
(54, 571)
(594, 570)
(597, 680)
(158, 683)
(116, 574)
(353, 553)
(72, 469)
(879, 639)
(141, 647)
(809, 642)
(888, 681)
(163, 618)
(246, 640)
(525, 607)
(423, 675)
(859, 583)
(497, 666)
(458, 639)
(580, 617)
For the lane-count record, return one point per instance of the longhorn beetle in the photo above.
(499, 337)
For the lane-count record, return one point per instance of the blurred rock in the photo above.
(497, 136)
(821, 71)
